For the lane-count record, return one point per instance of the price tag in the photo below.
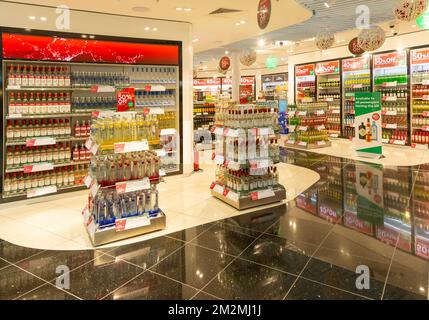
(219, 189)
(290, 142)
(155, 88)
(134, 146)
(42, 141)
(261, 164)
(132, 186)
(89, 143)
(426, 114)
(232, 165)
(357, 86)
(94, 148)
(390, 126)
(161, 153)
(156, 111)
(233, 196)
(320, 113)
(425, 128)
(335, 111)
(91, 226)
(425, 82)
(102, 114)
(301, 128)
(88, 180)
(399, 142)
(385, 140)
(291, 113)
(14, 87)
(94, 188)
(100, 89)
(131, 223)
(390, 84)
(390, 98)
(168, 132)
(302, 143)
(425, 98)
(41, 191)
(38, 167)
(320, 128)
(15, 116)
(390, 113)
(329, 99)
(301, 113)
(321, 143)
(86, 215)
(219, 159)
(162, 173)
(334, 135)
(263, 194)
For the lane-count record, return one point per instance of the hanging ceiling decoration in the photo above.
(325, 39)
(264, 13)
(371, 39)
(221, 71)
(409, 10)
(225, 63)
(248, 57)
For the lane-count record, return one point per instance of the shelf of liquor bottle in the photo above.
(254, 199)
(58, 190)
(328, 88)
(19, 88)
(57, 165)
(421, 128)
(47, 116)
(56, 139)
(393, 126)
(391, 84)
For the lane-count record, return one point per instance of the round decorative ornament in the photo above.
(371, 39)
(325, 39)
(409, 10)
(264, 13)
(354, 47)
(225, 63)
(248, 57)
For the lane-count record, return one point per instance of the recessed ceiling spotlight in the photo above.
(188, 9)
(32, 17)
(327, 5)
(195, 40)
(147, 29)
(155, 29)
(92, 37)
(242, 22)
(261, 43)
(141, 9)
(43, 18)
(179, 9)
(226, 52)
(84, 36)
(238, 24)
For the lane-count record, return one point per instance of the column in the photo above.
(236, 77)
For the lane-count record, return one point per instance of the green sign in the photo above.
(272, 62)
(423, 20)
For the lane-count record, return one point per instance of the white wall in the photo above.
(16, 15)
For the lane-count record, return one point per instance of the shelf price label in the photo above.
(334, 135)
(131, 223)
(91, 226)
(168, 132)
(86, 215)
(263, 194)
(329, 99)
(132, 186)
(135, 146)
(425, 128)
(231, 195)
(390, 112)
(335, 111)
(218, 189)
(162, 173)
(394, 98)
(301, 128)
(261, 164)
(42, 141)
(425, 98)
(100, 89)
(320, 113)
(290, 142)
(425, 82)
(41, 191)
(357, 86)
(390, 84)
(160, 153)
(301, 113)
(88, 180)
(38, 167)
(426, 114)
(301, 143)
(398, 142)
(291, 113)
(320, 128)
(390, 126)
(321, 143)
(15, 116)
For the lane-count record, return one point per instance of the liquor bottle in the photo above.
(368, 131)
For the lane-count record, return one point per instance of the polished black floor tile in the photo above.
(204, 296)
(193, 265)
(309, 290)
(224, 238)
(99, 278)
(151, 286)
(189, 234)
(15, 282)
(14, 253)
(47, 292)
(244, 280)
(48, 265)
(395, 293)
(279, 253)
(344, 279)
(147, 253)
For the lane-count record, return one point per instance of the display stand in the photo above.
(246, 154)
(309, 126)
(123, 176)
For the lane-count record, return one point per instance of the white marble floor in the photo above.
(393, 155)
(55, 222)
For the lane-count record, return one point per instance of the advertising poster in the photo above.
(369, 187)
(125, 99)
(283, 116)
(368, 125)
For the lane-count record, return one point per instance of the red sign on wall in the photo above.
(420, 56)
(422, 247)
(302, 71)
(352, 221)
(125, 99)
(18, 46)
(244, 81)
(356, 64)
(206, 82)
(330, 67)
(389, 60)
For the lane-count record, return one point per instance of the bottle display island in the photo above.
(246, 154)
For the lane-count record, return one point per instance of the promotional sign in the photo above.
(267, 79)
(354, 47)
(356, 64)
(264, 13)
(353, 222)
(368, 124)
(420, 56)
(330, 67)
(225, 63)
(206, 82)
(302, 71)
(369, 188)
(244, 81)
(283, 122)
(390, 60)
(126, 99)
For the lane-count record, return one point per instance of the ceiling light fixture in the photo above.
(147, 28)
(84, 36)
(188, 9)
(226, 52)
(43, 18)
(242, 22)
(261, 43)
(179, 9)
(32, 17)
(155, 29)
(238, 24)
(327, 5)
(195, 40)
(92, 37)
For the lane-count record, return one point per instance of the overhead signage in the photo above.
(356, 64)
(390, 60)
(244, 81)
(306, 70)
(206, 82)
(420, 56)
(330, 67)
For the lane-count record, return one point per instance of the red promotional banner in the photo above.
(354, 47)
(328, 67)
(302, 71)
(422, 247)
(356, 64)
(394, 237)
(18, 46)
(125, 99)
(389, 60)
(206, 82)
(420, 56)
(243, 81)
